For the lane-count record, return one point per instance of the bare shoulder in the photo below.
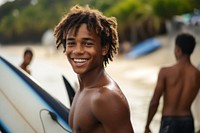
(168, 69)
(111, 109)
(164, 70)
(108, 103)
(194, 72)
(109, 95)
(197, 73)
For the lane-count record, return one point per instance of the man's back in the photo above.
(181, 87)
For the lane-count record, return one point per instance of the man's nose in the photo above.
(79, 49)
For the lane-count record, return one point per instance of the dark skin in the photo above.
(26, 61)
(179, 85)
(99, 105)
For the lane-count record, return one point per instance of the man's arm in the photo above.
(112, 112)
(155, 100)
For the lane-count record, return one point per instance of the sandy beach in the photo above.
(137, 78)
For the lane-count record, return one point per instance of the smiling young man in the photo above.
(90, 40)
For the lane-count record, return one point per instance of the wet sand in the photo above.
(137, 78)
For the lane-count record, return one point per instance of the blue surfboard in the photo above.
(25, 106)
(143, 48)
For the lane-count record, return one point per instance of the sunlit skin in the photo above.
(27, 60)
(179, 85)
(99, 106)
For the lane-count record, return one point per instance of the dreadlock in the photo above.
(104, 27)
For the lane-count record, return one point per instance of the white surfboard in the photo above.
(27, 108)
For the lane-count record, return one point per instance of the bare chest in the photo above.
(81, 117)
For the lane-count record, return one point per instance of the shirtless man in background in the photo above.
(179, 85)
(90, 39)
(27, 58)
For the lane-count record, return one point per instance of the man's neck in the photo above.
(92, 79)
(184, 59)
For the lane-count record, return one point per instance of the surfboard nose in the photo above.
(25, 105)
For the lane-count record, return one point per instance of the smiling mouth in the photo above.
(79, 60)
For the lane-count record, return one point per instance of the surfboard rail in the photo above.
(26, 106)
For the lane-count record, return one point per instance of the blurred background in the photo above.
(27, 20)
(30, 23)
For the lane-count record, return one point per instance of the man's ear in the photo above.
(178, 50)
(105, 49)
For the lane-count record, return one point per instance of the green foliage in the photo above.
(130, 11)
(6, 25)
(30, 19)
(24, 20)
(166, 9)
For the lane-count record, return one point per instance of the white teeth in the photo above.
(80, 60)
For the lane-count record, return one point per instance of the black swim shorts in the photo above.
(177, 124)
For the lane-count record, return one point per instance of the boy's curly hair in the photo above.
(105, 28)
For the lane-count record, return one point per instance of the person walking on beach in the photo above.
(179, 85)
(27, 58)
(90, 41)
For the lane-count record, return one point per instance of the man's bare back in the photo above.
(181, 87)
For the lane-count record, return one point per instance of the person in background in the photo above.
(179, 85)
(90, 40)
(27, 58)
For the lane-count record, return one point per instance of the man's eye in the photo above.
(70, 43)
(87, 43)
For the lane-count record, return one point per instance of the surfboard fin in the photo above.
(70, 90)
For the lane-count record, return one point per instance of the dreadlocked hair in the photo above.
(104, 27)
